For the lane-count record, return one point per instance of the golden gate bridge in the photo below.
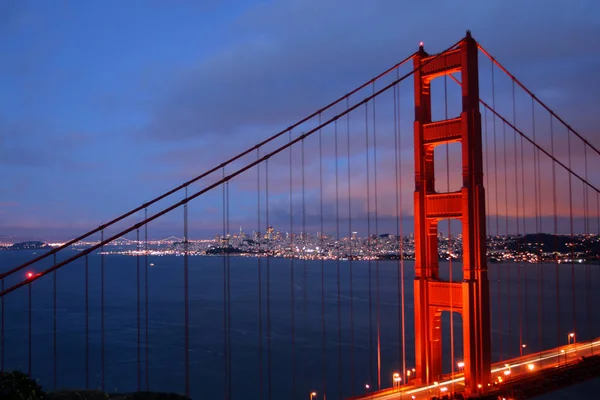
(516, 169)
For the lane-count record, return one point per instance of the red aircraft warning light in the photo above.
(29, 275)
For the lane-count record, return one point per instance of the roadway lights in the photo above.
(507, 372)
(571, 337)
(461, 364)
(396, 379)
(530, 367)
(312, 395)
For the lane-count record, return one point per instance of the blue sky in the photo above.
(106, 104)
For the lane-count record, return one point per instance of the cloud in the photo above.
(293, 57)
(30, 143)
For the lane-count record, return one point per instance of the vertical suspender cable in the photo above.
(401, 237)
(495, 166)
(537, 194)
(29, 330)
(227, 256)
(269, 385)
(597, 233)
(292, 285)
(146, 344)
(321, 256)
(337, 260)
(555, 213)
(139, 349)
(377, 305)
(303, 239)
(351, 255)
(520, 261)
(401, 356)
(538, 182)
(571, 239)
(223, 250)
(498, 294)
(2, 323)
(260, 324)
(524, 233)
(186, 318)
(508, 274)
(487, 168)
(87, 326)
(102, 311)
(588, 272)
(55, 356)
(369, 244)
(304, 236)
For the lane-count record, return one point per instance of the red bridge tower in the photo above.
(470, 297)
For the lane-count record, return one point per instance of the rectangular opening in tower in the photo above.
(448, 167)
(452, 342)
(446, 97)
(450, 250)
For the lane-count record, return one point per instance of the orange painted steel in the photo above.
(433, 296)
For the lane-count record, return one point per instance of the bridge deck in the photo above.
(522, 376)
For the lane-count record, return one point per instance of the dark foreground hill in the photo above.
(16, 385)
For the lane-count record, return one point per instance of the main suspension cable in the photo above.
(534, 97)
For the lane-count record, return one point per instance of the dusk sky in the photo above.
(107, 104)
